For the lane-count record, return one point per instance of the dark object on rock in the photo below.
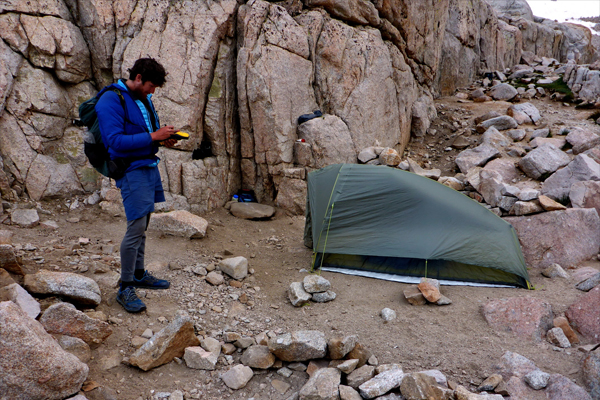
(307, 117)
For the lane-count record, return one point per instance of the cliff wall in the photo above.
(240, 74)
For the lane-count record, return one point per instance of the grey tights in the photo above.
(133, 247)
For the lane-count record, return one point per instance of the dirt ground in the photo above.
(454, 339)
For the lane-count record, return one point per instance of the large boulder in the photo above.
(77, 287)
(33, 364)
(525, 317)
(563, 237)
(329, 139)
(543, 161)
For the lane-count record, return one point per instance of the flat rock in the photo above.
(316, 284)
(25, 218)
(237, 377)
(179, 223)
(258, 356)
(252, 210)
(514, 364)
(9, 261)
(461, 393)
(563, 237)
(32, 360)
(584, 314)
(322, 385)
(235, 267)
(15, 293)
(476, 157)
(299, 346)
(526, 317)
(65, 284)
(382, 383)
(324, 297)
(168, 343)
(65, 319)
(548, 204)
(347, 366)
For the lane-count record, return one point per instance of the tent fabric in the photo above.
(388, 220)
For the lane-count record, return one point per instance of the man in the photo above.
(131, 130)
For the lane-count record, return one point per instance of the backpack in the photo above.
(93, 146)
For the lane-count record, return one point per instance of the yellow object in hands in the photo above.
(180, 135)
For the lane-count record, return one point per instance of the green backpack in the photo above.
(93, 146)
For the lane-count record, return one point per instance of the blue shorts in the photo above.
(140, 189)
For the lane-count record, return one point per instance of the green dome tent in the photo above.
(368, 220)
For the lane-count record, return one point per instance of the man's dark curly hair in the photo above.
(150, 69)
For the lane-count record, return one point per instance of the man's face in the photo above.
(143, 89)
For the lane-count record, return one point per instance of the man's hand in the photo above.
(163, 133)
(169, 142)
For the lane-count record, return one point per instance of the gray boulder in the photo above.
(543, 161)
(299, 346)
(66, 284)
(381, 383)
(582, 139)
(501, 123)
(297, 295)
(316, 283)
(476, 157)
(503, 91)
(237, 377)
(582, 168)
(25, 217)
(179, 223)
(524, 113)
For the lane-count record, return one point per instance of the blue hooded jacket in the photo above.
(125, 136)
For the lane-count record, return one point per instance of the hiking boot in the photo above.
(129, 300)
(150, 282)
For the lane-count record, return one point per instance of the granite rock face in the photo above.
(239, 81)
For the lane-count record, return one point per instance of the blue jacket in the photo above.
(125, 139)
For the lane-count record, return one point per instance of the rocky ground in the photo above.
(454, 339)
